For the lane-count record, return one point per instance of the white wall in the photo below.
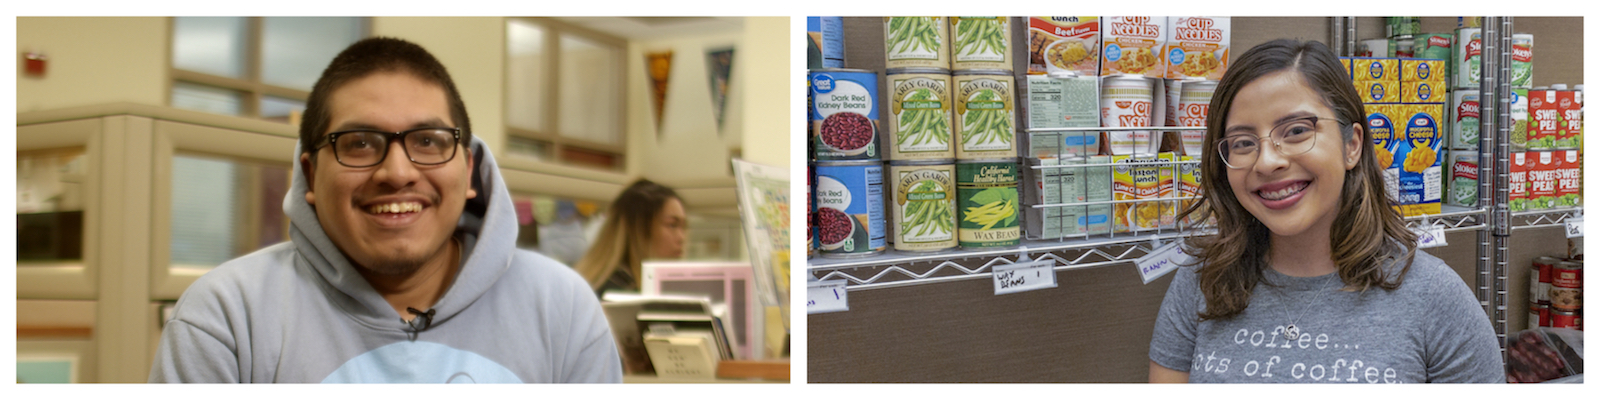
(473, 50)
(93, 61)
(766, 85)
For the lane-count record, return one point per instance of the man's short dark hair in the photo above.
(374, 55)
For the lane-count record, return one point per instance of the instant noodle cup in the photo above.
(1197, 47)
(1129, 45)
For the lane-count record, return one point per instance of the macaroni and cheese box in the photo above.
(1418, 154)
(1197, 47)
(1129, 46)
(1363, 69)
(1380, 122)
(1422, 81)
(1378, 91)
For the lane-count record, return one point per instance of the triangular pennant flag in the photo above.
(659, 65)
(719, 63)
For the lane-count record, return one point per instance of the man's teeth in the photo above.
(1282, 193)
(395, 208)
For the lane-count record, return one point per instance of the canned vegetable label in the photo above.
(985, 112)
(1521, 60)
(924, 206)
(1463, 178)
(981, 43)
(1468, 52)
(1569, 121)
(1517, 181)
(1519, 119)
(1544, 117)
(850, 209)
(920, 126)
(987, 204)
(1464, 130)
(916, 42)
(1569, 179)
(846, 114)
(826, 35)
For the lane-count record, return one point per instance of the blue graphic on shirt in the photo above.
(421, 362)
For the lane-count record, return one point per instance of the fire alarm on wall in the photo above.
(34, 64)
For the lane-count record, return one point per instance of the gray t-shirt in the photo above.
(1431, 329)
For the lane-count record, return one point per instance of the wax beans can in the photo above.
(1127, 101)
(981, 43)
(850, 208)
(916, 42)
(845, 114)
(985, 115)
(1521, 60)
(1194, 104)
(1468, 53)
(1564, 319)
(1566, 286)
(986, 202)
(924, 205)
(919, 120)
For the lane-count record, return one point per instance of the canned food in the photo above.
(849, 197)
(920, 125)
(1568, 176)
(1064, 46)
(1544, 119)
(1129, 46)
(916, 42)
(826, 36)
(1127, 101)
(1517, 181)
(924, 205)
(1193, 106)
(1465, 121)
(1375, 48)
(811, 209)
(1564, 319)
(1545, 267)
(985, 115)
(1468, 54)
(1569, 121)
(1403, 26)
(1566, 286)
(986, 193)
(1436, 46)
(1463, 178)
(845, 113)
(1519, 119)
(981, 43)
(1538, 315)
(1403, 47)
(1521, 60)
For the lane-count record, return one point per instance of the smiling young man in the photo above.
(402, 265)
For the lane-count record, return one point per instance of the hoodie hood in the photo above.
(487, 230)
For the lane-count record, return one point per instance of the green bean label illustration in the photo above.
(981, 38)
(924, 207)
(915, 42)
(921, 122)
(985, 117)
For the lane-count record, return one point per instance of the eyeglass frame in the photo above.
(1277, 145)
(455, 133)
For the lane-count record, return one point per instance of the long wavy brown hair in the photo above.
(1367, 235)
(624, 239)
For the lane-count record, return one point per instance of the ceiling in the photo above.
(642, 28)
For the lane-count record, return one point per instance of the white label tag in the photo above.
(1023, 277)
(1161, 261)
(826, 297)
(1574, 227)
(1431, 236)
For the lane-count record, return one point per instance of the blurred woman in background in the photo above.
(647, 221)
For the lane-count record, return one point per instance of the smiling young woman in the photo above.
(1312, 276)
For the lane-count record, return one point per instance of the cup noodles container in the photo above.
(1419, 155)
(981, 43)
(1129, 45)
(919, 114)
(1197, 47)
(916, 42)
(1566, 286)
(1381, 122)
(1569, 179)
(844, 112)
(1064, 46)
(985, 115)
(1466, 119)
(1468, 53)
(1521, 60)
(1517, 180)
(1127, 101)
(1463, 179)
(1544, 119)
(1194, 104)
(1422, 81)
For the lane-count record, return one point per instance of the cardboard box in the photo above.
(1197, 47)
(1129, 45)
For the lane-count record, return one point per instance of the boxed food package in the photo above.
(1380, 121)
(1422, 81)
(1064, 46)
(1197, 47)
(1129, 46)
(1041, 186)
(1097, 188)
(1420, 176)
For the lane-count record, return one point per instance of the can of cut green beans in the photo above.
(919, 120)
(916, 42)
(986, 203)
(849, 198)
(924, 205)
(981, 43)
(985, 115)
(844, 111)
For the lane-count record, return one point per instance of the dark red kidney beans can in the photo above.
(849, 201)
(1566, 287)
(1564, 319)
(811, 208)
(844, 114)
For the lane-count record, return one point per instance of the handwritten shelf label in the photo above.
(1015, 278)
(1429, 236)
(826, 297)
(1161, 261)
(1574, 227)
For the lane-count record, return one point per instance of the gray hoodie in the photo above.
(300, 312)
